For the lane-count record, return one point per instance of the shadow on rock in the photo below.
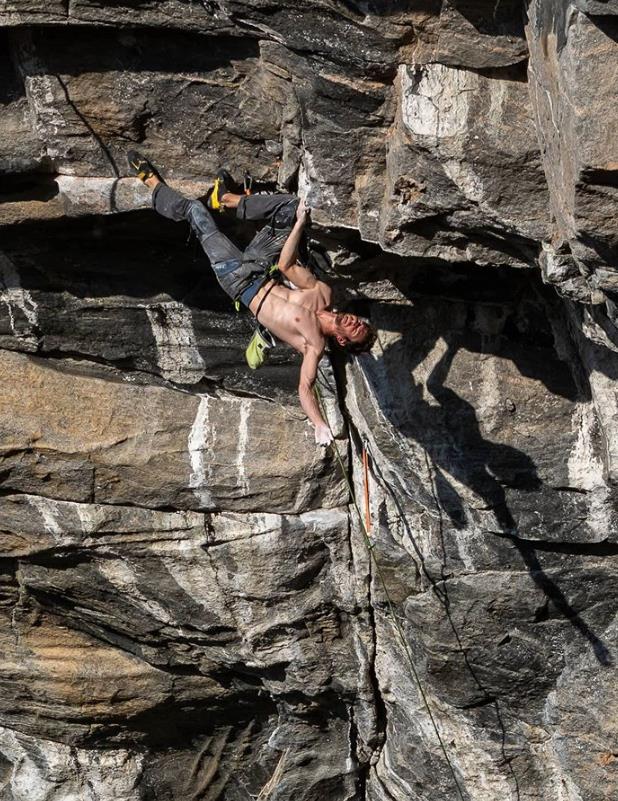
(445, 425)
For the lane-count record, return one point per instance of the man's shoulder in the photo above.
(325, 288)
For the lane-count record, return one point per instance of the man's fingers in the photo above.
(323, 435)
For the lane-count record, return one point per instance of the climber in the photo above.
(297, 312)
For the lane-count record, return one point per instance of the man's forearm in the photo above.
(290, 248)
(310, 405)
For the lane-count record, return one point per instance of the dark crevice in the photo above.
(479, 703)
(11, 85)
(600, 177)
(517, 73)
(600, 549)
(91, 48)
(25, 186)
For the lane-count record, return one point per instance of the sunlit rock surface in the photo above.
(189, 607)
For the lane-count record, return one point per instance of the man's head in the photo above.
(353, 333)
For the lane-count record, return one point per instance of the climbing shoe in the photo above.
(224, 184)
(140, 166)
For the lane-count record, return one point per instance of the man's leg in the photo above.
(233, 272)
(174, 206)
(279, 208)
(280, 212)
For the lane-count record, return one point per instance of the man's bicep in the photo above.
(300, 276)
(309, 368)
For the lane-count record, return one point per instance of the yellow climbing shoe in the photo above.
(224, 184)
(140, 166)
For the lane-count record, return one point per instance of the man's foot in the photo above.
(224, 185)
(141, 167)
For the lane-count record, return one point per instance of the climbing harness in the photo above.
(389, 603)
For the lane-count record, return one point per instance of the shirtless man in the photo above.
(299, 314)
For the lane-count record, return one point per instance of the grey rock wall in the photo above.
(189, 606)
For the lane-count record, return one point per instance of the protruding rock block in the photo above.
(82, 438)
(573, 74)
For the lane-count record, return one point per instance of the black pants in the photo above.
(235, 271)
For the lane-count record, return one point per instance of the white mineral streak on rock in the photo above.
(462, 174)
(243, 438)
(316, 191)
(603, 389)
(177, 354)
(435, 100)
(477, 760)
(46, 99)
(43, 770)
(584, 465)
(91, 517)
(49, 511)
(198, 438)
(16, 298)
(424, 369)
(585, 469)
(550, 754)
(120, 573)
(327, 387)
(489, 394)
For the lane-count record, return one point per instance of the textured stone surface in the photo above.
(572, 74)
(188, 608)
(83, 438)
(494, 548)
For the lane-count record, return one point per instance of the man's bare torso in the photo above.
(291, 314)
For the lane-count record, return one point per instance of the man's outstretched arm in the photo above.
(308, 375)
(294, 272)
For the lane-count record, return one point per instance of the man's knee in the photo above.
(284, 216)
(169, 203)
(200, 218)
(279, 209)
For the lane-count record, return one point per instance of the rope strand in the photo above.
(398, 628)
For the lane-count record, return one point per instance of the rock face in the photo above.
(189, 609)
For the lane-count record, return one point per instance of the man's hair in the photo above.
(365, 345)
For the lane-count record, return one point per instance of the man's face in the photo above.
(350, 328)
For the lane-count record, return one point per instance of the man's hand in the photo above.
(323, 435)
(302, 211)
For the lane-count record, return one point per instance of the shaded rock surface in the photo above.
(188, 606)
